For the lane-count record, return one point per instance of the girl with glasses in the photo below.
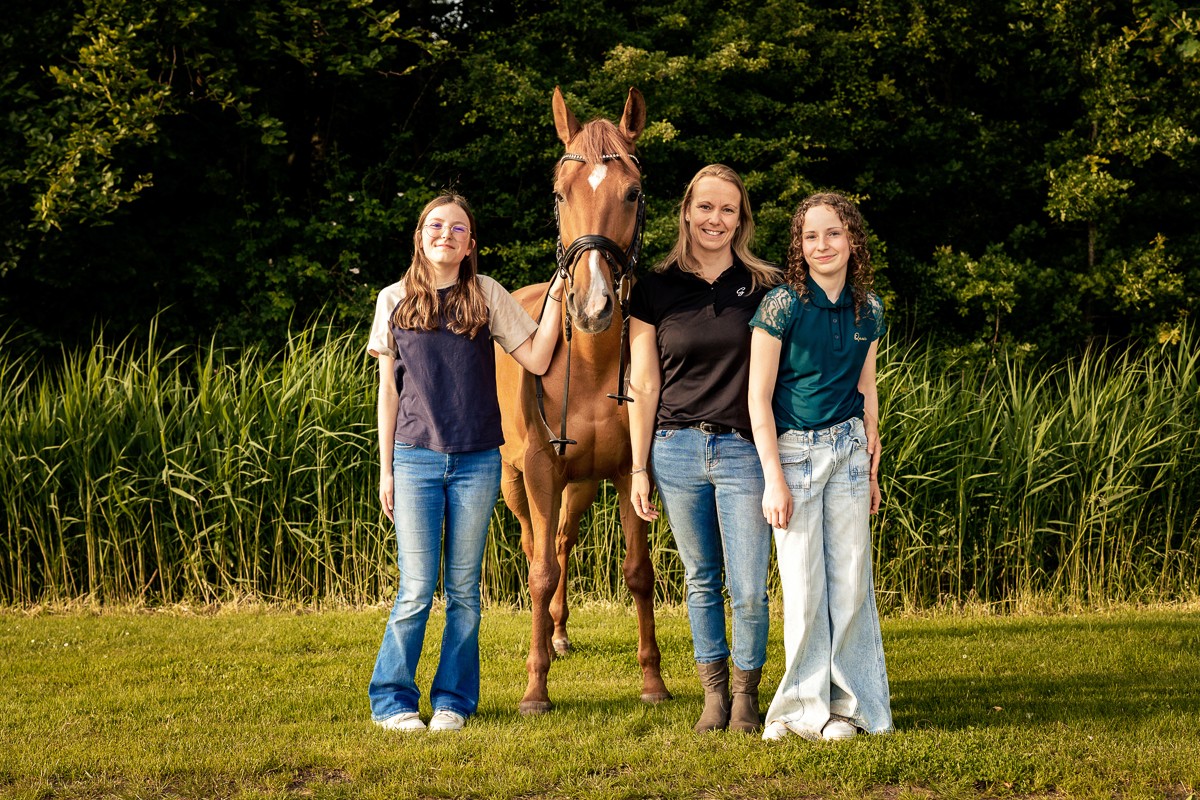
(439, 438)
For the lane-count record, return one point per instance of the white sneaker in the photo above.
(446, 720)
(775, 731)
(838, 729)
(404, 721)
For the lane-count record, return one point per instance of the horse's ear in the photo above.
(564, 120)
(633, 121)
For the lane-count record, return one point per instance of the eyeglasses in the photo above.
(436, 229)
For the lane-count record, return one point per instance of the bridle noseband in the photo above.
(621, 262)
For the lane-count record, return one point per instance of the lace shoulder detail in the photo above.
(875, 310)
(775, 311)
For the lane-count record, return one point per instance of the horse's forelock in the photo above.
(599, 138)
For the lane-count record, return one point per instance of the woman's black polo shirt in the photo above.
(703, 337)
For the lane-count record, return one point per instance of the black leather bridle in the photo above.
(621, 262)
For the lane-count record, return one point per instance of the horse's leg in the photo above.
(512, 487)
(639, 577)
(543, 493)
(577, 497)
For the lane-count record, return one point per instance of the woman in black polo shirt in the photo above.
(439, 439)
(690, 425)
(815, 408)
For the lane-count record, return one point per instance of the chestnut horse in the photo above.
(549, 480)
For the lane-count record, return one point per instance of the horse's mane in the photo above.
(598, 138)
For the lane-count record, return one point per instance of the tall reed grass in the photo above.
(1078, 480)
(138, 474)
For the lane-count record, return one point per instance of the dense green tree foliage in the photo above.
(1029, 168)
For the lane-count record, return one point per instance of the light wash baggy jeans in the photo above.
(835, 664)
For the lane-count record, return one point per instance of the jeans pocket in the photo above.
(404, 445)
(662, 434)
(797, 469)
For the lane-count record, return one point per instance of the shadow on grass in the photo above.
(1039, 671)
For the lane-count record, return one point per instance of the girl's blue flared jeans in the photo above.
(443, 504)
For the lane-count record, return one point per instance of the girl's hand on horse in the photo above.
(639, 492)
(557, 285)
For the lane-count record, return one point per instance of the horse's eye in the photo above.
(632, 195)
(558, 197)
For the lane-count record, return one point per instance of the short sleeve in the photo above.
(508, 320)
(381, 342)
(775, 311)
(876, 305)
(640, 306)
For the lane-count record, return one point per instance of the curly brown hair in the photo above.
(859, 272)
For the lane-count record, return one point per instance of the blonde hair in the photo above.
(465, 307)
(762, 272)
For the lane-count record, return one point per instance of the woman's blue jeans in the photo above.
(443, 504)
(711, 486)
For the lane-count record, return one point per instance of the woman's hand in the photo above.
(386, 495)
(876, 495)
(639, 494)
(777, 504)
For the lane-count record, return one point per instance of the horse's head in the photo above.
(600, 209)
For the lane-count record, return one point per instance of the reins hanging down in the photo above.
(621, 262)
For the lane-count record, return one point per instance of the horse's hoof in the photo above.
(653, 698)
(534, 708)
(562, 646)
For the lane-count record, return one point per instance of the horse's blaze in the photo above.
(596, 303)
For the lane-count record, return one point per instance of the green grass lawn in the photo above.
(265, 703)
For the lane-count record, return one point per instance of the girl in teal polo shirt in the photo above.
(814, 409)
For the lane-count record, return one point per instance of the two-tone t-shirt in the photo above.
(447, 382)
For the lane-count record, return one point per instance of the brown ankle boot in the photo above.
(714, 678)
(744, 716)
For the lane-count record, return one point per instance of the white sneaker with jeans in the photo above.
(405, 721)
(446, 720)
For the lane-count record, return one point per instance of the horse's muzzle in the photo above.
(593, 321)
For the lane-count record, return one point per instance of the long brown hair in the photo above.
(763, 273)
(465, 307)
(860, 275)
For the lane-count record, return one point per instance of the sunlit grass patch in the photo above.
(271, 703)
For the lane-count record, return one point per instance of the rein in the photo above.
(621, 262)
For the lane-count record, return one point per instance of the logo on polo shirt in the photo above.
(858, 337)
(741, 291)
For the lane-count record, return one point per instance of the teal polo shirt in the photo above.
(822, 357)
